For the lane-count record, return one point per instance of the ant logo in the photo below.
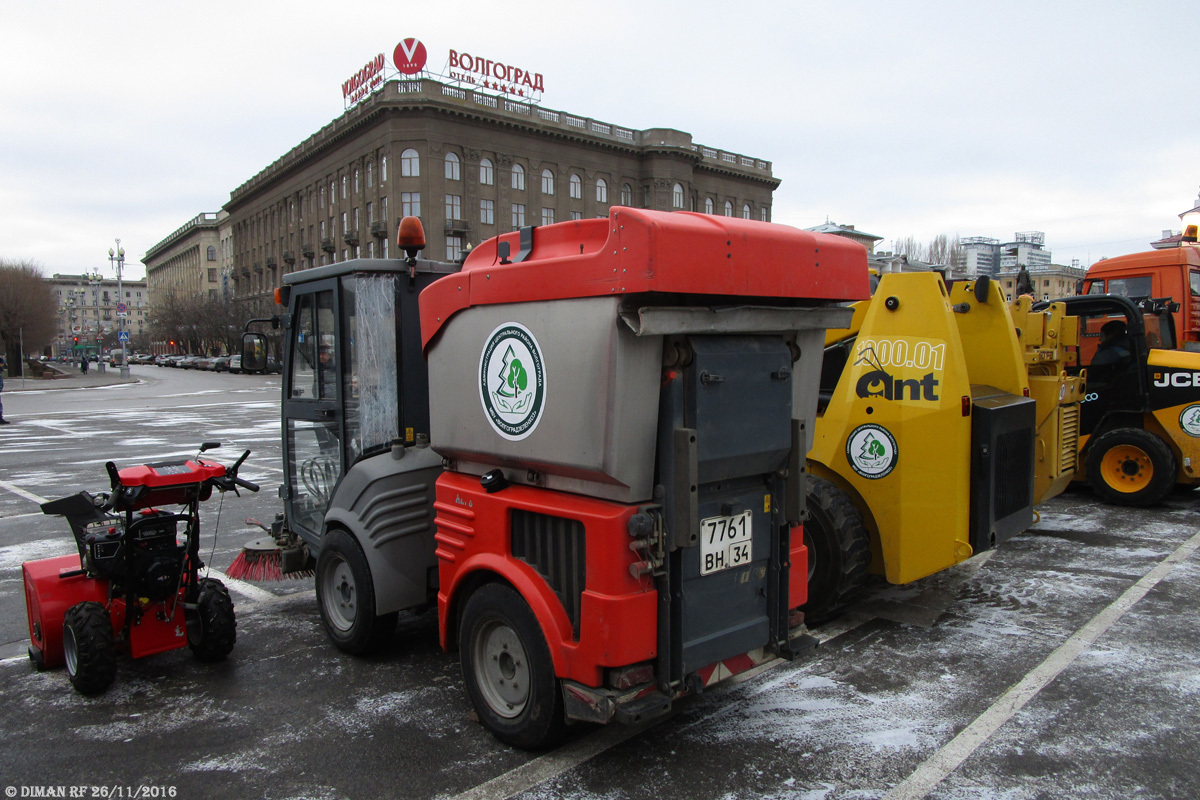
(878, 382)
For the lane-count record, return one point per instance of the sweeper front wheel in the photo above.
(88, 648)
(346, 597)
(211, 626)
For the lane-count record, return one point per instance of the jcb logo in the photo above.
(1166, 379)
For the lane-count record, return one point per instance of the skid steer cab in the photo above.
(1140, 422)
(585, 447)
(132, 585)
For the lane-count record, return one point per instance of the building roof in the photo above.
(843, 230)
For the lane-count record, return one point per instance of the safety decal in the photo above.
(512, 381)
(872, 452)
(1189, 420)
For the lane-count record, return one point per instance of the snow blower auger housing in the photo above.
(133, 582)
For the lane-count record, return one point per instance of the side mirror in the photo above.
(254, 352)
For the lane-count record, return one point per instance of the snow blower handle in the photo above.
(231, 478)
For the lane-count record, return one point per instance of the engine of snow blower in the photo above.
(135, 580)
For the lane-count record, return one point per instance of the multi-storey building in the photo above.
(471, 165)
(189, 262)
(980, 255)
(1047, 280)
(1026, 250)
(88, 312)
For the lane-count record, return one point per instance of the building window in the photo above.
(322, 195)
(410, 204)
(454, 248)
(345, 186)
(601, 191)
(575, 188)
(729, 208)
(487, 173)
(453, 167)
(212, 274)
(410, 164)
(383, 214)
(576, 215)
(745, 211)
(345, 228)
(547, 182)
(762, 214)
(370, 213)
(453, 206)
(518, 215)
(677, 196)
(709, 206)
(382, 169)
(626, 195)
(487, 212)
(518, 177)
(370, 174)
(212, 252)
(645, 197)
(547, 216)
(357, 180)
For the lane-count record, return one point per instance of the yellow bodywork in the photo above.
(906, 390)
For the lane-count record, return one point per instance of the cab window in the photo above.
(1137, 287)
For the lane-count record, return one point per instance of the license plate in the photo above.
(724, 542)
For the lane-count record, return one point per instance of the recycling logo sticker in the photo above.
(1189, 420)
(512, 381)
(871, 451)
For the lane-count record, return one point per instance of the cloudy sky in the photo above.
(1079, 119)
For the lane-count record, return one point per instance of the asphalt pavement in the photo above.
(1063, 664)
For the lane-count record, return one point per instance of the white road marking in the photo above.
(17, 490)
(247, 590)
(938, 766)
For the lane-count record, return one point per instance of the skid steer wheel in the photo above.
(88, 648)
(1130, 467)
(211, 625)
(839, 551)
(346, 597)
(508, 671)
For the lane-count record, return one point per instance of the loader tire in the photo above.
(508, 670)
(1130, 467)
(212, 625)
(346, 597)
(839, 551)
(89, 648)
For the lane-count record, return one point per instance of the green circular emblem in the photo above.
(1189, 420)
(871, 450)
(512, 381)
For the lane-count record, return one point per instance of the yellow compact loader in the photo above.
(945, 415)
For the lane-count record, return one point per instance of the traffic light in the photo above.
(75, 339)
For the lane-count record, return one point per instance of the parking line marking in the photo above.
(17, 490)
(247, 590)
(939, 766)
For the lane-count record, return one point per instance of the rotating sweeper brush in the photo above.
(272, 558)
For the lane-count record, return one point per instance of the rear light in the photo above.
(966, 406)
(631, 676)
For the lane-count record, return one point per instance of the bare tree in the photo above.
(27, 310)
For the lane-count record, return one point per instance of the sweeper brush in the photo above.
(271, 558)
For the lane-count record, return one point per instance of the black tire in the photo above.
(839, 551)
(346, 597)
(89, 648)
(507, 668)
(212, 625)
(1130, 467)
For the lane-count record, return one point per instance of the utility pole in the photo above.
(122, 307)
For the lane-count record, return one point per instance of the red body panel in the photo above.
(47, 598)
(636, 250)
(151, 635)
(171, 484)
(798, 569)
(618, 615)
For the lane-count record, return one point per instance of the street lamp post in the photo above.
(118, 256)
(95, 279)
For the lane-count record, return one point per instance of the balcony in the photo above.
(289, 257)
(457, 227)
(258, 267)
(271, 262)
(328, 246)
(379, 230)
(350, 238)
(307, 251)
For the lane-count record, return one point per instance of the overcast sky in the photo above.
(1079, 119)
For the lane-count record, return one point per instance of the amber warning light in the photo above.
(411, 237)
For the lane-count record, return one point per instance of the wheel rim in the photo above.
(340, 595)
(501, 668)
(70, 651)
(1127, 468)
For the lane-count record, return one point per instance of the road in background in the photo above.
(1063, 664)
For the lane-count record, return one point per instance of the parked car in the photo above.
(235, 364)
(219, 364)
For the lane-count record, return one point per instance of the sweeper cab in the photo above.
(585, 446)
(132, 584)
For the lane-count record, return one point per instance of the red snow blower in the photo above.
(133, 583)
